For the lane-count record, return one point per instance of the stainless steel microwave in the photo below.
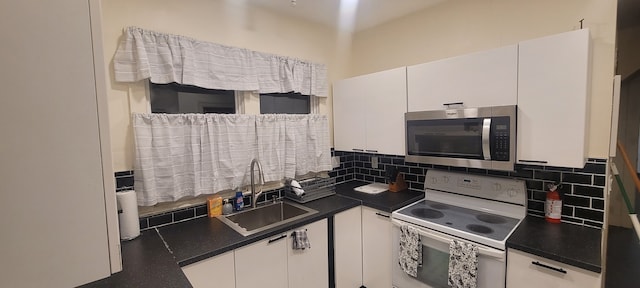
(482, 137)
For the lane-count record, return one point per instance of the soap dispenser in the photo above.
(239, 204)
(227, 208)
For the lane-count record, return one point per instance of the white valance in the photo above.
(165, 58)
(180, 155)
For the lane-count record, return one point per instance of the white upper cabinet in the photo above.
(553, 80)
(368, 112)
(486, 78)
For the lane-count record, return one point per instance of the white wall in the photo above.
(225, 22)
(463, 26)
(452, 28)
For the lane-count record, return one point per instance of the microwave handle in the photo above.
(441, 238)
(486, 143)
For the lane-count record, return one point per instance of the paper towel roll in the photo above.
(129, 223)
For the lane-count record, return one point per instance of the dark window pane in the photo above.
(175, 98)
(285, 103)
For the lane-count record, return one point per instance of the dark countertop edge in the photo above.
(570, 261)
(269, 233)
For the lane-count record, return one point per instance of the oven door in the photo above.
(435, 262)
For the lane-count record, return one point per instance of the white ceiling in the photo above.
(369, 13)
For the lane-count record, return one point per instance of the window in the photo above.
(285, 103)
(175, 98)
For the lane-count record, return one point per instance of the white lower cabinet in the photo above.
(309, 268)
(348, 248)
(269, 263)
(363, 248)
(262, 264)
(217, 271)
(376, 248)
(525, 270)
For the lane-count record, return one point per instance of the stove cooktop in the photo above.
(426, 212)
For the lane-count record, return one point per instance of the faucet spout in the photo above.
(254, 195)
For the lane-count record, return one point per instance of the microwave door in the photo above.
(486, 139)
(456, 138)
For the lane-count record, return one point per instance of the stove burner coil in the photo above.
(492, 219)
(479, 229)
(439, 206)
(427, 213)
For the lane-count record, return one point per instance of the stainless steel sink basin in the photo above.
(265, 217)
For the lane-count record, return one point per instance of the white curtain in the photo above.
(166, 58)
(179, 155)
(271, 145)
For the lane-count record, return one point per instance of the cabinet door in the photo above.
(553, 76)
(348, 248)
(486, 78)
(262, 264)
(376, 249)
(368, 112)
(523, 273)
(310, 267)
(348, 115)
(56, 155)
(385, 104)
(216, 271)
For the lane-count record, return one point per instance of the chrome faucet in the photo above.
(254, 195)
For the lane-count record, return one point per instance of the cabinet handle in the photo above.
(533, 161)
(373, 151)
(278, 238)
(359, 150)
(549, 267)
(382, 215)
(453, 103)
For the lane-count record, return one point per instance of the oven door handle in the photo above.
(486, 143)
(495, 253)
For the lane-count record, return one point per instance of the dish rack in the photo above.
(314, 188)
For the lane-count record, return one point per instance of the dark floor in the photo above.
(623, 259)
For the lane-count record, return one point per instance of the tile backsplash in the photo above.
(124, 181)
(582, 189)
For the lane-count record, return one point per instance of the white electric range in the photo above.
(481, 210)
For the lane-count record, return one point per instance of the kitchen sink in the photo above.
(261, 218)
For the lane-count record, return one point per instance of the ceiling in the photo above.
(368, 13)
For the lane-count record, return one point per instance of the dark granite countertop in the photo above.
(146, 262)
(202, 238)
(155, 257)
(386, 201)
(571, 244)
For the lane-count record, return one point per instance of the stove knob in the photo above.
(511, 192)
(434, 180)
(445, 179)
(497, 186)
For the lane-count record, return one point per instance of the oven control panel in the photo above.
(493, 188)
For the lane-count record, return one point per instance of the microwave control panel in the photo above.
(500, 138)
